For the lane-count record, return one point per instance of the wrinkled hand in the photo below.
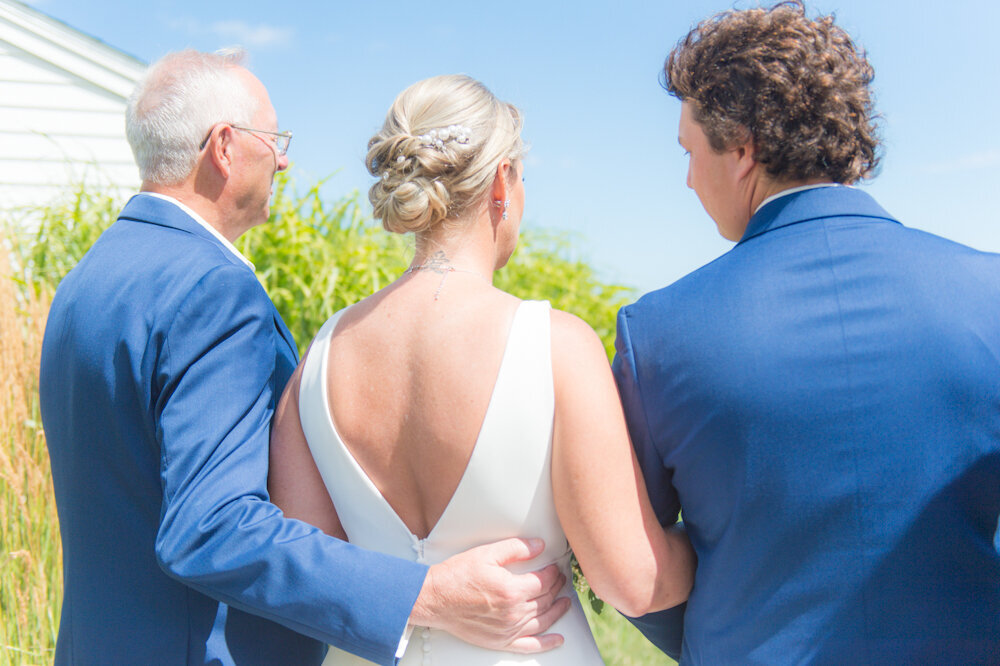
(472, 596)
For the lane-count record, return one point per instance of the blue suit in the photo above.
(161, 365)
(823, 403)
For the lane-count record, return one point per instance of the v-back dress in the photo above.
(506, 491)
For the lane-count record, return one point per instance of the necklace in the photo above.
(441, 265)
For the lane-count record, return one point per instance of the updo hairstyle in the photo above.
(436, 156)
(799, 88)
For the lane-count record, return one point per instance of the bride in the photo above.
(441, 413)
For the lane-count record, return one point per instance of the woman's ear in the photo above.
(501, 182)
(500, 193)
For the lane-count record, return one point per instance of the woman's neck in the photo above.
(468, 246)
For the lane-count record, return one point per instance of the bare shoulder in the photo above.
(572, 334)
(577, 352)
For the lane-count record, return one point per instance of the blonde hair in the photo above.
(422, 181)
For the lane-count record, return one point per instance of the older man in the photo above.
(823, 401)
(161, 365)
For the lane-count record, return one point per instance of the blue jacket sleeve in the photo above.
(664, 629)
(215, 390)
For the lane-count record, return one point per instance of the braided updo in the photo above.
(437, 153)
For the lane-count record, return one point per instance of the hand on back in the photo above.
(473, 596)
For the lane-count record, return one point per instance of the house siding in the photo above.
(62, 110)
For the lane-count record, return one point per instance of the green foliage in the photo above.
(64, 231)
(315, 258)
(620, 643)
(543, 268)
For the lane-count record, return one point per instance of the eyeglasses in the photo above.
(281, 139)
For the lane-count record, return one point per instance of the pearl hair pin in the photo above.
(436, 138)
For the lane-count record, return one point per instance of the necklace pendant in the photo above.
(440, 265)
(437, 292)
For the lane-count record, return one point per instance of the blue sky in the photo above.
(604, 161)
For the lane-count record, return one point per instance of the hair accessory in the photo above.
(437, 137)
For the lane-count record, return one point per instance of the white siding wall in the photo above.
(57, 129)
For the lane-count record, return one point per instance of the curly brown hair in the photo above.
(797, 87)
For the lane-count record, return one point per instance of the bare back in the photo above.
(408, 383)
(410, 380)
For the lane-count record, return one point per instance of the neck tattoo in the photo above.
(439, 263)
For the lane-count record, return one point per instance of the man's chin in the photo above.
(262, 218)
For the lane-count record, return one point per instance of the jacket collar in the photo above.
(154, 210)
(814, 204)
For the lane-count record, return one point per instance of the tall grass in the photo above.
(314, 257)
(31, 589)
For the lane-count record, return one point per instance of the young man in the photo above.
(823, 401)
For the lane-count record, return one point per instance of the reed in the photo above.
(315, 257)
(30, 560)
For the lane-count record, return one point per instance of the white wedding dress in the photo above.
(506, 491)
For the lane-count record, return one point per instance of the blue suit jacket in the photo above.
(823, 402)
(161, 365)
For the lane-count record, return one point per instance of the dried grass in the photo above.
(30, 549)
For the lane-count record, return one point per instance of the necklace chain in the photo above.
(444, 269)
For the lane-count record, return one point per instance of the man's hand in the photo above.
(473, 597)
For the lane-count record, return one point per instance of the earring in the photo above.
(506, 205)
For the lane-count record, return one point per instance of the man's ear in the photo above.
(220, 149)
(746, 156)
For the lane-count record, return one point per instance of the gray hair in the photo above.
(438, 151)
(175, 105)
